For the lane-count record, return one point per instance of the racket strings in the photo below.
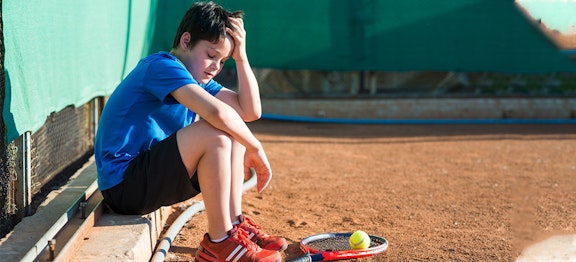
(334, 243)
(339, 243)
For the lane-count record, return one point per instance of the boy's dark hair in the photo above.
(205, 21)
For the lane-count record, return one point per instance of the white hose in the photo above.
(196, 207)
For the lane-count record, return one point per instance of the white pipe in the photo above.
(164, 245)
(27, 178)
(95, 112)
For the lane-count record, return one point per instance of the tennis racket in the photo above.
(335, 246)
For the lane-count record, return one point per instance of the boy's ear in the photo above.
(185, 40)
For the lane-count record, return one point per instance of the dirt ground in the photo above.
(436, 192)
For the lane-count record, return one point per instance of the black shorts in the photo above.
(153, 179)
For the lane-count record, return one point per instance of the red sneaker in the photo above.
(236, 248)
(259, 237)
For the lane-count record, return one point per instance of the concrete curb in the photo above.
(29, 238)
(123, 238)
(112, 237)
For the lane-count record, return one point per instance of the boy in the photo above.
(150, 153)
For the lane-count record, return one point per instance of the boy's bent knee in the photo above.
(202, 134)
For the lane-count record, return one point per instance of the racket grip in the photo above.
(304, 258)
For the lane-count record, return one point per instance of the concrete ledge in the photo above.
(29, 238)
(112, 237)
(123, 238)
(424, 108)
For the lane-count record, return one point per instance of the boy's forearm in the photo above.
(219, 114)
(231, 123)
(248, 91)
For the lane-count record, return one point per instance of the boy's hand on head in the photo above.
(257, 159)
(238, 33)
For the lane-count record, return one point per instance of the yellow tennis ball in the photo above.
(359, 240)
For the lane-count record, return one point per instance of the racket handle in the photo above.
(304, 258)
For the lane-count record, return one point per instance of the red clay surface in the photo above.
(436, 192)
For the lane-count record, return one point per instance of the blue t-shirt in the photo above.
(140, 112)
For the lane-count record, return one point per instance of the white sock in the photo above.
(219, 240)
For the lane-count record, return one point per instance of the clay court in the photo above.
(436, 192)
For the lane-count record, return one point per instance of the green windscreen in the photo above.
(60, 53)
(389, 35)
(67, 52)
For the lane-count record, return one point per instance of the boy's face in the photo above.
(205, 60)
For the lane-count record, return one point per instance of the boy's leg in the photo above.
(208, 150)
(237, 163)
(255, 232)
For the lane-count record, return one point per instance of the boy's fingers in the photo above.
(262, 181)
(238, 23)
(263, 177)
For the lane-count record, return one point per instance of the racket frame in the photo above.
(342, 254)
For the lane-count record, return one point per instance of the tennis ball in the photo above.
(359, 240)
